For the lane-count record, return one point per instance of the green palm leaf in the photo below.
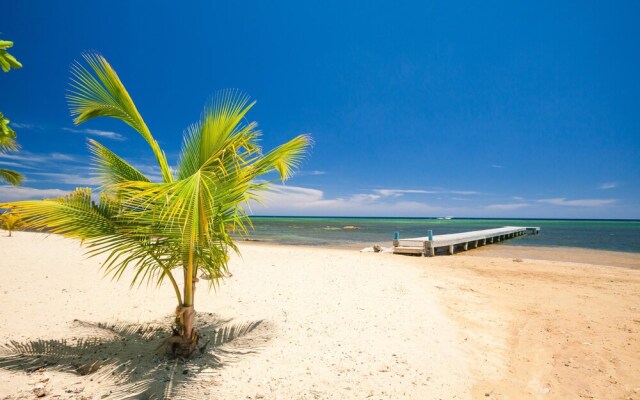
(102, 94)
(7, 61)
(7, 135)
(12, 177)
(111, 168)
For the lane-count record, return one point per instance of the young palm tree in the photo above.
(7, 135)
(10, 220)
(177, 229)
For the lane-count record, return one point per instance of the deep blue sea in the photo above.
(616, 235)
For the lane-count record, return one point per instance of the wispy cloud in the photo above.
(400, 192)
(68, 179)
(310, 173)
(96, 132)
(29, 157)
(20, 125)
(10, 193)
(397, 192)
(608, 185)
(461, 192)
(61, 157)
(496, 166)
(507, 206)
(364, 198)
(295, 200)
(15, 165)
(561, 201)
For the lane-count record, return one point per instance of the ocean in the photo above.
(614, 235)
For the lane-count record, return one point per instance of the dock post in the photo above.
(432, 250)
(396, 239)
(451, 249)
(466, 246)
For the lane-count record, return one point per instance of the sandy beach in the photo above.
(500, 322)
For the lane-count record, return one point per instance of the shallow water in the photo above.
(616, 235)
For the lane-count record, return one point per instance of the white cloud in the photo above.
(69, 179)
(358, 198)
(19, 125)
(97, 132)
(29, 157)
(61, 157)
(11, 193)
(310, 173)
(608, 185)
(561, 201)
(508, 206)
(397, 192)
(518, 198)
(400, 192)
(462, 192)
(14, 165)
(496, 166)
(24, 156)
(295, 200)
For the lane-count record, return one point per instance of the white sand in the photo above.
(337, 324)
(495, 323)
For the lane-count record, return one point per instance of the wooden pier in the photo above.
(459, 241)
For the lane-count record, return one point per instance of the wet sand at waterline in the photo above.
(315, 323)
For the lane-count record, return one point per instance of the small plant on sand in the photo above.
(177, 229)
(7, 135)
(10, 221)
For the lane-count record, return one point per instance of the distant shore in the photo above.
(497, 322)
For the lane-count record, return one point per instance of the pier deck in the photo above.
(459, 241)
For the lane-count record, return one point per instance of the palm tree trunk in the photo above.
(185, 341)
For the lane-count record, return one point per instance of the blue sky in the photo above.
(479, 109)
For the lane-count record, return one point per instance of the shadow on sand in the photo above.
(121, 360)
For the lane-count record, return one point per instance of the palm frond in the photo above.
(74, 215)
(7, 61)
(220, 128)
(7, 135)
(102, 94)
(111, 168)
(284, 158)
(12, 177)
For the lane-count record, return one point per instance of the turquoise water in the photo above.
(613, 235)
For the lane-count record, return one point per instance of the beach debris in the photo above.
(377, 249)
(331, 228)
(517, 260)
(544, 390)
(39, 390)
(351, 228)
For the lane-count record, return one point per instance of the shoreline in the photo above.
(622, 259)
(470, 325)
